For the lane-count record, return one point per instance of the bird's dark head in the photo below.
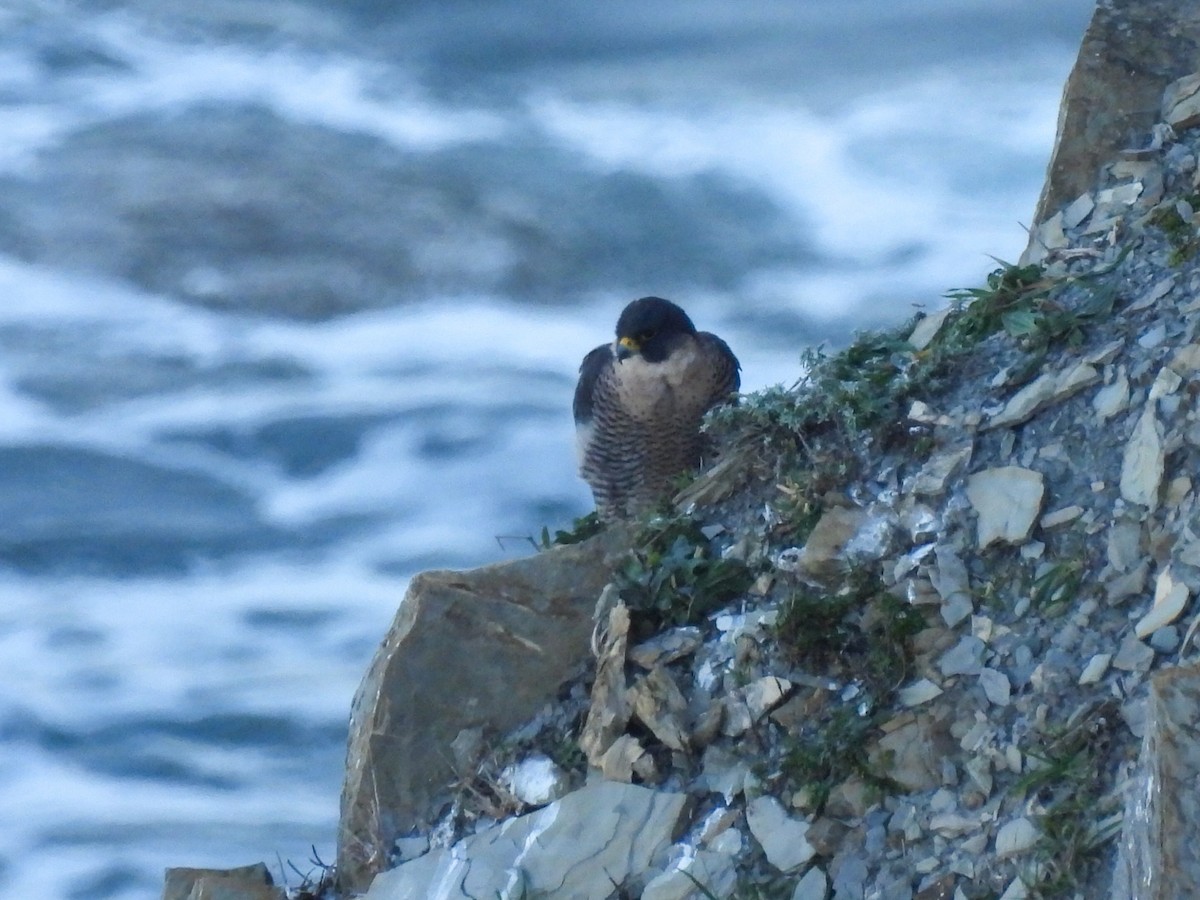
(651, 326)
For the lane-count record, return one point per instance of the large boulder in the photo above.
(467, 651)
(1132, 50)
(1159, 855)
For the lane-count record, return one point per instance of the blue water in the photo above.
(292, 297)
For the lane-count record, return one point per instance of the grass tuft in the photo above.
(1068, 786)
(672, 577)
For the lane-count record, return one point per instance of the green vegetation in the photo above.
(862, 634)
(672, 577)
(818, 435)
(1069, 785)
(1029, 307)
(849, 396)
(851, 407)
(1055, 590)
(828, 752)
(564, 750)
(1180, 232)
(814, 627)
(889, 637)
(863, 391)
(581, 529)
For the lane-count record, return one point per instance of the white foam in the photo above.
(446, 330)
(192, 634)
(162, 76)
(859, 207)
(340, 92)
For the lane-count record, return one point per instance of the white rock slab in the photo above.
(964, 658)
(724, 772)
(1181, 103)
(1144, 460)
(1121, 195)
(1016, 890)
(1112, 398)
(736, 719)
(996, 686)
(1025, 402)
(1186, 360)
(1124, 545)
(1095, 668)
(922, 412)
(764, 694)
(713, 872)
(658, 704)
(1079, 209)
(1007, 500)
(953, 824)
(1015, 837)
(1105, 353)
(666, 647)
(1061, 516)
(578, 847)
(1154, 294)
(1070, 382)
(1046, 237)
(952, 581)
(1133, 655)
(624, 757)
(931, 480)
(1153, 337)
(781, 837)
(926, 330)
(823, 552)
(1166, 383)
(813, 886)
(919, 692)
(1052, 387)
(1170, 597)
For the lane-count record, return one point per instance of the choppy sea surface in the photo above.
(292, 296)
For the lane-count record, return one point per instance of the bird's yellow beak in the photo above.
(630, 344)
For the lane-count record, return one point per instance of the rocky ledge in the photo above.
(927, 630)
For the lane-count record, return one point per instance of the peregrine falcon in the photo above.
(639, 403)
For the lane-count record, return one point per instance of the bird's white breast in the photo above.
(648, 390)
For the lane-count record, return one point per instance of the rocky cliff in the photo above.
(927, 630)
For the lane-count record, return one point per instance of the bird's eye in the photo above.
(645, 336)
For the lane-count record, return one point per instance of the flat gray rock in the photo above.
(1007, 500)
(964, 658)
(813, 886)
(578, 848)
(713, 871)
(1143, 464)
(781, 837)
